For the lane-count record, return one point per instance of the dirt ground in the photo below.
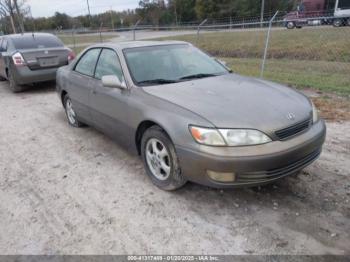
(74, 191)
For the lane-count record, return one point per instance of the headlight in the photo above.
(314, 113)
(228, 137)
(244, 137)
(207, 136)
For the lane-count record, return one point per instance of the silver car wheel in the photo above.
(70, 112)
(290, 25)
(157, 157)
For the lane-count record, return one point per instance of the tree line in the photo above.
(16, 15)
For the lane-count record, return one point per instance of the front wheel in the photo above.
(71, 115)
(290, 25)
(160, 159)
(348, 22)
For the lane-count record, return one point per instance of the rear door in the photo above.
(42, 51)
(79, 82)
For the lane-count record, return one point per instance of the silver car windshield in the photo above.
(170, 64)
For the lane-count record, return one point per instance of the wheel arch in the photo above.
(63, 94)
(141, 129)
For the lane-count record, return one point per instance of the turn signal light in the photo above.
(71, 56)
(221, 177)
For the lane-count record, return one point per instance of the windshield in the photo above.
(170, 63)
(38, 41)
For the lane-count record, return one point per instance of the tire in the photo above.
(348, 22)
(337, 22)
(13, 85)
(290, 25)
(163, 156)
(70, 113)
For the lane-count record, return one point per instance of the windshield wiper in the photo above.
(197, 76)
(159, 81)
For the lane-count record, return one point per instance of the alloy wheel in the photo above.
(70, 112)
(158, 160)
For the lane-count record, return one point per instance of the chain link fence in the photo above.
(316, 55)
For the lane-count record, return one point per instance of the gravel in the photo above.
(74, 191)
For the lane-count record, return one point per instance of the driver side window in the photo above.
(108, 64)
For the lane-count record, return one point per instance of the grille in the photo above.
(293, 130)
(279, 172)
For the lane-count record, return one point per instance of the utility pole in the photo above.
(175, 13)
(112, 21)
(262, 12)
(88, 6)
(31, 17)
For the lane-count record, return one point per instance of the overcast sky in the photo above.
(78, 7)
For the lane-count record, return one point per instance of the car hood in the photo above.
(234, 101)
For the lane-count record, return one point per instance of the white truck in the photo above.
(342, 13)
(319, 12)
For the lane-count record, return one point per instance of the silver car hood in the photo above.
(233, 101)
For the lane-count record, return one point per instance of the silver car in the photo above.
(188, 116)
(30, 58)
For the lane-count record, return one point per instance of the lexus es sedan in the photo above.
(30, 58)
(188, 116)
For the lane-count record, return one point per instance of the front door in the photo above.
(109, 106)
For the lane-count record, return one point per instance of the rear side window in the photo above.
(38, 41)
(108, 64)
(87, 62)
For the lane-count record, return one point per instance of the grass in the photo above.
(84, 39)
(322, 75)
(78, 49)
(311, 57)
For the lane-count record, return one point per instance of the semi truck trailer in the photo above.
(319, 12)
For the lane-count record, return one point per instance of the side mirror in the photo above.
(113, 82)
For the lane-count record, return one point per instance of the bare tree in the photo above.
(8, 8)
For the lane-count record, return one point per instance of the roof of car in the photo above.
(134, 44)
(27, 35)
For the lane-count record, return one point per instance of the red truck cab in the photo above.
(319, 12)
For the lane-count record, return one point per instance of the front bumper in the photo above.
(253, 165)
(23, 75)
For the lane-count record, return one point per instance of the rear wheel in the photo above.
(71, 115)
(160, 159)
(290, 25)
(337, 22)
(13, 84)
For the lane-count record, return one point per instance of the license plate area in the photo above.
(48, 61)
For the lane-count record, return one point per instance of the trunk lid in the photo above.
(37, 59)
